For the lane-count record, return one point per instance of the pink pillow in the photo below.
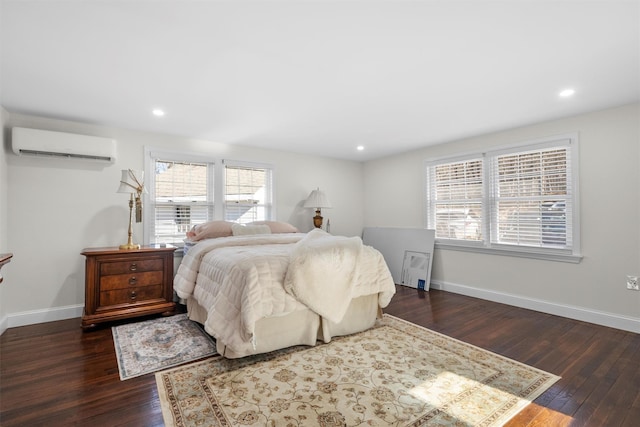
(277, 226)
(210, 230)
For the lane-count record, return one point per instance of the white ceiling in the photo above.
(319, 77)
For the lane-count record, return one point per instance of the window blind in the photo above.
(456, 199)
(181, 199)
(521, 199)
(247, 193)
(532, 194)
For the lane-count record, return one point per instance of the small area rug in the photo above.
(396, 373)
(161, 343)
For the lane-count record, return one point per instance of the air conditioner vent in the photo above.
(44, 143)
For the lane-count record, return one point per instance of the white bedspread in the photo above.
(326, 272)
(241, 279)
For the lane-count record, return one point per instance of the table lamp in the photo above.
(132, 182)
(317, 199)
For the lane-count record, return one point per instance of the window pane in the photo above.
(181, 199)
(554, 223)
(457, 181)
(532, 174)
(532, 191)
(174, 220)
(181, 182)
(459, 221)
(457, 200)
(532, 223)
(247, 194)
(243, 213)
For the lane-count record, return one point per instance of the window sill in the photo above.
(548, 255)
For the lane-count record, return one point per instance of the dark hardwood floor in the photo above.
(54, 374)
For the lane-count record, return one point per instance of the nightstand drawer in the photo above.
(133, 266)
(123, 281)
(131, 295)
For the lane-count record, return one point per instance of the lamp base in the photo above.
(317, 220)
(129, 247)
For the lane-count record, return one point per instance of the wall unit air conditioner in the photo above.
(48, 143)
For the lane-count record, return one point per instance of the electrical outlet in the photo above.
(632, 283)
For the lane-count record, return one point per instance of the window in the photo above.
(247, 192)
(518, 199)
(532, 195)
(188, 189)
(180, 196)
(457, 197)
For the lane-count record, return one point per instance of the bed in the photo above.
(256, 293)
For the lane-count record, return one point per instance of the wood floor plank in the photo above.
(542, 417)
(633, 414)
(602, 353)
(621, 411)
(54, 374)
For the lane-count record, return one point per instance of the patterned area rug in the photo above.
(395, 374)
(160, 343)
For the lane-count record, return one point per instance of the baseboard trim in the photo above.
(625, 323)
(4, 322)
(46, 315)
(611, 320)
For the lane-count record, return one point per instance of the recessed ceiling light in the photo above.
(360, 147)
(158, 112)
(566, 93)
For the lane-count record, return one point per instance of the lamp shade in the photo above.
(317, 199)
(132, 182)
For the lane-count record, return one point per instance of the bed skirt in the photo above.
(303, 327)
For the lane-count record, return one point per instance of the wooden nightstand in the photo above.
(127, 283)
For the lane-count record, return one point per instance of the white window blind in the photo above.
(532, 198)
(456, 198)
(183, 192)
(520, 199)
(247, 192)
(182, 198)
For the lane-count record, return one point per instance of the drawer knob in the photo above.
(133, 267)
(133, 295)
(133, 280)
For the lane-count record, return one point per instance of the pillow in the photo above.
(245, 230)
(210, 230)
(277, 226)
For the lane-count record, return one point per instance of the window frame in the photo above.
(215, 184)
(429, 191)
(485, 245)
(269, 206)
(151, 155)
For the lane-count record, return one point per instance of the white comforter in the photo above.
(326, 272)
(241, 279)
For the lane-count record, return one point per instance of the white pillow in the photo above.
(245, 230)
(277, 226)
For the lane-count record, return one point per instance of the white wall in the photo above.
(4, 245)
(593, 290)
(60, 206)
